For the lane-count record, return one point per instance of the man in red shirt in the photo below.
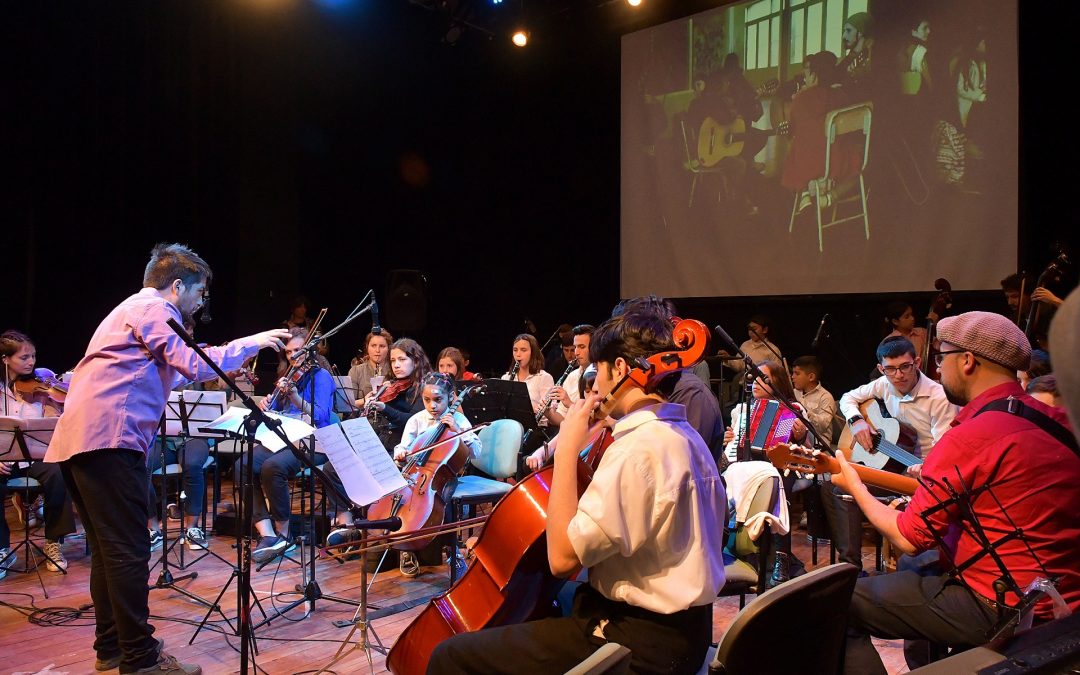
(1023, 453)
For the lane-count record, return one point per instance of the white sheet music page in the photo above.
(365, 468)
(233, 421)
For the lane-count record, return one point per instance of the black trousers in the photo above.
(191, 455)
(273, 470)
(59, 518)
(674, 643)
(109, 489)
(845, 523)
(916, 603)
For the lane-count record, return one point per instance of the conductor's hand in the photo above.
(274, 339)
(861, 431)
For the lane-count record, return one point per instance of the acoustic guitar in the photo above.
(894, 441)
(797, 458)
(717, 141)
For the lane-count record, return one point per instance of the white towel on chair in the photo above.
(743, 480)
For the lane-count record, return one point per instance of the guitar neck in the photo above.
(898, 483)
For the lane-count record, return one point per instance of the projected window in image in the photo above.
(820, 146)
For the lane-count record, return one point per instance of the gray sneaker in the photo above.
(168, 665)
(155, 539)
(196, 540)
(113, 662)
(6, 561)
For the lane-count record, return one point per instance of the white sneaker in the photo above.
(56, 561)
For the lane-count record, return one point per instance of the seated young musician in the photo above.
(438, 390)
(566, 394)
(530, 370)
(273, 470)
(1003, 439)
(817, 402)
(191, 454)
(19, 356)
(375, 363)
(900, 322)
(758, 347)
(452, 362)
(649, 528)
(409, 365)
(908, 396)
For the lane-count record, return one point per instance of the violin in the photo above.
(288, 382)
(43, 386)
(436, 457)
(509, 580)
(387, 392)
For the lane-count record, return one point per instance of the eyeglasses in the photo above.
(904, 368)
(940, 356)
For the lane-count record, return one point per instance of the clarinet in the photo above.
(514, 370)
(562, 378)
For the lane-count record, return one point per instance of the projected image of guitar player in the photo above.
(845, 127)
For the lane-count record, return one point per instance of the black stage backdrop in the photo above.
(313, 147)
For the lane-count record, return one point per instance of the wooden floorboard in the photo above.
(291, 643)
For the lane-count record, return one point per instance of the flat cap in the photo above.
(989, 335)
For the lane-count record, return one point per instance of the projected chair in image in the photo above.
(697, 169)
(840, 125)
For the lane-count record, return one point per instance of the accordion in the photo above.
(770, 424)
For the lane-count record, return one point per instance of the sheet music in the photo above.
(365, 468)
(37, 431)
(232, 421)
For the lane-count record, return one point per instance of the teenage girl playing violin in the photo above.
(649, 528)
(26, 396)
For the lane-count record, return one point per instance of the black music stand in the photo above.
(17, 437)
(504, 399)
(185, 413)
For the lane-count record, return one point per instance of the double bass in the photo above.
(941, 303)
(509, 580)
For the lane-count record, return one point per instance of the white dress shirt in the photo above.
(650, 526)
(925, 407)
(422, 421)
(570, 384)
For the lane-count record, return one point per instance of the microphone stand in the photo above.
(242, 573)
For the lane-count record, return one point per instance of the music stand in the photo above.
(26, 440)
(185, 413)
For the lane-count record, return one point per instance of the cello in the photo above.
(436, 458)
(509, 580)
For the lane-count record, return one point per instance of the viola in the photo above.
(509, 579)
(436, 457)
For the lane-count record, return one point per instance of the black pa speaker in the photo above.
(406, 301)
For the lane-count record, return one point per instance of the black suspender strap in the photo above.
(1015, 406)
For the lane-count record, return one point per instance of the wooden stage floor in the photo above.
(289, 644)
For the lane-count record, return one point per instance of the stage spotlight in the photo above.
(634, 3)
(520, 37)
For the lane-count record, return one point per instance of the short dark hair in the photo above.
(169, 262)
(1040, 364)
(810, 364)
(1013, 282)
(893, 347)
(647, 303)
(1043, 383)
(893, 311)
(584, 329)
(761, 320)
(567, 340)
(631, 335)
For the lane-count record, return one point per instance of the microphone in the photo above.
(820, 330)
(376, 329)
(726, 339)
(204, 315)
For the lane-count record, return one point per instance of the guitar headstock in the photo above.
(797, 458)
